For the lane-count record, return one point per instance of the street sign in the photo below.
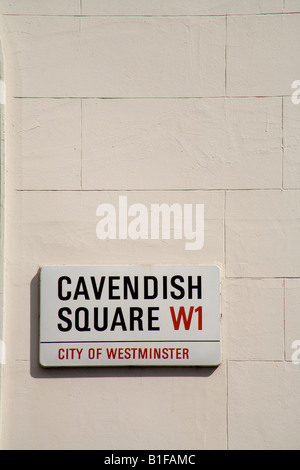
(130, 316)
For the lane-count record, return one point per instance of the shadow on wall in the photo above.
(63, 372)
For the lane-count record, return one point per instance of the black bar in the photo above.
(106, 342)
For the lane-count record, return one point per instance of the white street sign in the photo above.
(130, 316)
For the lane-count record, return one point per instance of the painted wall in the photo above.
(185, 101)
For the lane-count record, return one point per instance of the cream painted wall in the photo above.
(197, 108)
